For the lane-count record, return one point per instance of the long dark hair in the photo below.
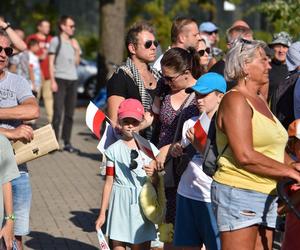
(180, 60)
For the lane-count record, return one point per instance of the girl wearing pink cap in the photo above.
(127, 169)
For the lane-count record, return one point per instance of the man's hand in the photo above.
(54, 86)
(22, 132)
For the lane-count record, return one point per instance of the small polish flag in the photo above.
(94, 118)
(201, 129)
(108, 137)
(144, 145)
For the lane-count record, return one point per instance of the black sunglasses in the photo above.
(172, 78)
(202, 51)
(149, 43)
(133, 155)
(212, 32)
(244, 41)
(8, 50)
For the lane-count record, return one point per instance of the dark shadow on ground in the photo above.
(92, 156)
(85, 220)
(42, 240)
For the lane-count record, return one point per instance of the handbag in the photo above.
(210, 155)
(44, 141)
(174, 167)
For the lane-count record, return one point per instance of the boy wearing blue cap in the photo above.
(195, 223)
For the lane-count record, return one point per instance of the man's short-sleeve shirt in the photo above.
(14, 90)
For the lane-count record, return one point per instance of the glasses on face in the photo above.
(244, 41)
(172, 78)
(212, 32)
(8, 50)
(149, 43)
(133, 163)
(202, 51)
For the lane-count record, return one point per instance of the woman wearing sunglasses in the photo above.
(243, 192)
(180, 69)
(204, 53)
(135, 79)
(126, 172)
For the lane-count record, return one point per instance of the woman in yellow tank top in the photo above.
(243, 190)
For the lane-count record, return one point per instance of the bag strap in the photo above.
(185, 104)
(57, 48)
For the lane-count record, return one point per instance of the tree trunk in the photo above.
(112, 32)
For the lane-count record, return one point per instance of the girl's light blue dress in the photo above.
(125, 220)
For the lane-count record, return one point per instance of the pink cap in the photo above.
(131, 108)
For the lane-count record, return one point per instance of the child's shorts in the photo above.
(237, 208)
(195, 224)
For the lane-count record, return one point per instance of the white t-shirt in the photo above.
(194, 183)
(35, 64)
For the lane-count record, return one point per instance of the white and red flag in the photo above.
(201, 129)
(94, 118)
(144, 145)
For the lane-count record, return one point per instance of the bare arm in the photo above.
(18, 43)
(7, 231)
(54, 86)
(113, 103)
(105, 201)
(27, 110)
(234, 119)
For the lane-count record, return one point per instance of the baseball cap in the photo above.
(208, 27)
(294, 129)
(208, 83)
(282, 38)
(293, 56)
(131, 108)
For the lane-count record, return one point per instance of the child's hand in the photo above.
(176, 150)
(100, 221)
(190, 135)
(150, 169)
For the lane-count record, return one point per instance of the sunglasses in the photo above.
(8, 50)
(244, 41)
(212, 32)
(202, 51)
(133, 155)
(172, 78)
(149, 43)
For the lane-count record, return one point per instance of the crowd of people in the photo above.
(218, 127)
(223, 128)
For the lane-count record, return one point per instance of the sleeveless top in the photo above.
(269, 139)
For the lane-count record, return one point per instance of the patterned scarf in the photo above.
(130, 69)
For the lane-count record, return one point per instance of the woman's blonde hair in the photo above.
(243, 51)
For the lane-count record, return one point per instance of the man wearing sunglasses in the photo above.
(64, 56)
(17, 105)
(135, 79)
(184, 34)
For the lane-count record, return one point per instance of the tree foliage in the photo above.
(161, 13)
(282, 14)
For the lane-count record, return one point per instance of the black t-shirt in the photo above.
(277, 75)
(120, 84)
(219, 68)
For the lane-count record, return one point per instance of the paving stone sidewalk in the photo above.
(66, 194)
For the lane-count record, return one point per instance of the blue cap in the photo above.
(293, 56)
(207, 27)
(208, 83)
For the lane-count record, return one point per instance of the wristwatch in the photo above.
(10, 217)
(7, 26)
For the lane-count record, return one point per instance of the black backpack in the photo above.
(282, 101)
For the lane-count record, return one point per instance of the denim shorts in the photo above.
(195, 224)
(21, 189)
(237, 208)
